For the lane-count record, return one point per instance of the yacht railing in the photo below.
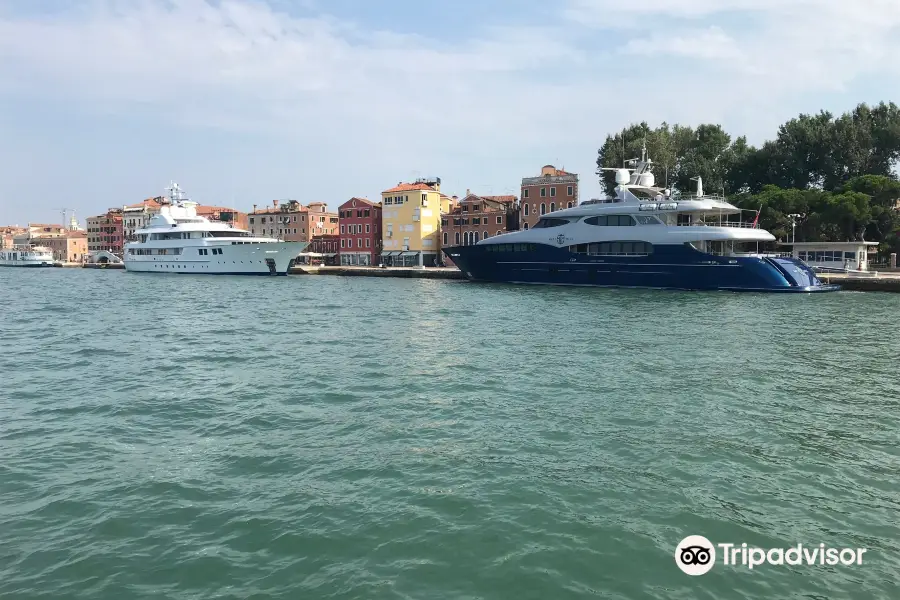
(739, 224)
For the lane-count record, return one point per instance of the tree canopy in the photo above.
(839, 172)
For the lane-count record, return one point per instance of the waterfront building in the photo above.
(105, 232)
(360, 232)
(853, 256)
(9, 234)
(221, 214)
(476, 218)
(411, 223)
(70, 247)
(137, 216)
(553, 190)
(290, 221)
(286, 220)
(323, 249)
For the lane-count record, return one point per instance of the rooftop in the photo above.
(410, 187)
(148, 203)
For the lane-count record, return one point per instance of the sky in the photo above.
(104, 102)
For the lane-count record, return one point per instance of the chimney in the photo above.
(468, 191)
(275, 203)
(254, 208)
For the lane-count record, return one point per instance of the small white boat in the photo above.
(26, 256)
(177, 240)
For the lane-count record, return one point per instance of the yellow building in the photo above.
(411, 223)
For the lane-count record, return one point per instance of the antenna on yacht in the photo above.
(699, 185)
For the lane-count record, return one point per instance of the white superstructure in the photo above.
(177, 240)
(26, 255)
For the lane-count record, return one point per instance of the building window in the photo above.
(499, 220)
(485, 236)
(552, 206)
(543, 192)
(525, 193)
(359, 243)
(367, 226)
(367, 242)
(526, 225)
(424, 199)
(543, 208)
(446, 238)
(553, 192)
(569, 205)
(476, 237)
(526, 209)
(570, 191)
(342, 243)
(456, 238)
(350, 243)
(342, 229)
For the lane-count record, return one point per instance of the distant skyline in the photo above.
(104, 102)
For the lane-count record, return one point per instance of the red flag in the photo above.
(756, 219)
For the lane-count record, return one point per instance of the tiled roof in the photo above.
(501, 198)
(150, 202)
(409, 187)
(203, 208)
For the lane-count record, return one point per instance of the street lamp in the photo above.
(793, 218)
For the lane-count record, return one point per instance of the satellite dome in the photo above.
(623, 177)
(647, 179)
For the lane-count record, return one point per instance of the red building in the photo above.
(476, 218)
(105, 232)
(326, 247)
(555, 189)
(360, 237)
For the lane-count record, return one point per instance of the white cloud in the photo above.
(486, 94)
(708, 44)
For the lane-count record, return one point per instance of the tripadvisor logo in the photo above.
(696, 555)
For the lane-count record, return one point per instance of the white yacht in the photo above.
(642, 237)
(26, 256)
(178, 240)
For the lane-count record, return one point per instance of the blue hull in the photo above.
(668, 267)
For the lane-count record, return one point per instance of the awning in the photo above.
(409, 253)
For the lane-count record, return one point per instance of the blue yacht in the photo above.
(644, 238)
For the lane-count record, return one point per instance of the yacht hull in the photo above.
(668, 267)
(235, 259)
(25, 263)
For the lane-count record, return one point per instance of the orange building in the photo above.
(71, 247)
(224, 215)
(292, 222)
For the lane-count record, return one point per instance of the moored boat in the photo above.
(643, 237)
(26, 255)
(178, 240)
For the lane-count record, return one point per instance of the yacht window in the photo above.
(610, 221)
(543, 223)
(625, 248)
(647, 220)
(511, 247)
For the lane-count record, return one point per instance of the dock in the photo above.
(409, 272)
(873, 282)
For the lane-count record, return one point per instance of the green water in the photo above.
(188, 437)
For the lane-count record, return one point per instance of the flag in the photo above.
(756, 219)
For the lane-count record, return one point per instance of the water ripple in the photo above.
(319, 437)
